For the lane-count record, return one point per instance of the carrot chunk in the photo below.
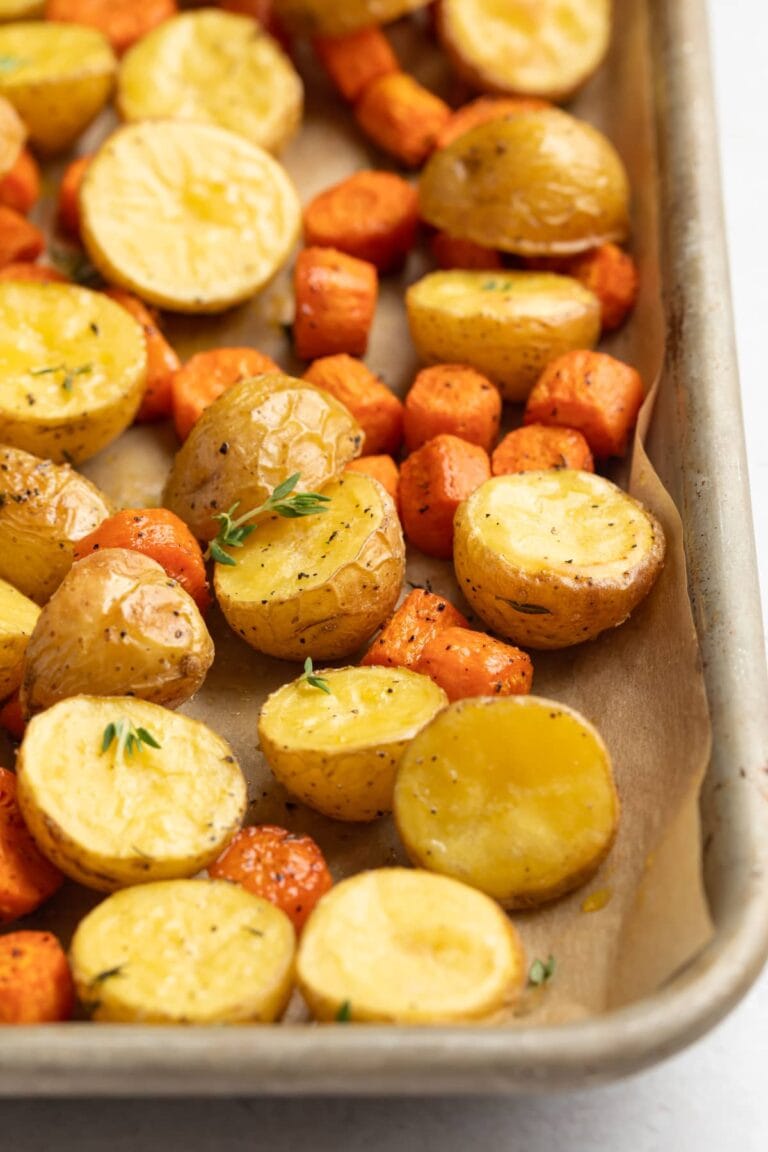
(207, 376)
(19, 240)
(402, 117)
(335, 303)
(377, 410)
(20, 187)
(421, 617)
(162, 361)
(27, 878)
(484, 109)
(450, 252)
(355, 60)
(607, 271)
(283, 867)
(452, 398)
(592, 392)
(123, 22)
(434, 480)
(537, 447)
(468, 663)
(12, 717)
(381, 468)
(39, 273)
(35, 982)
(371, 215)
(69, 196)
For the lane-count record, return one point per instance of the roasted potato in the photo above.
(213, 67)
(18, 617)
(337, 750)
(253, 438)
(406, 947)
(117, 626)
(548, 48)
(187, 216)
(318, 17)
(73, 365)
(553, 558)
(110, 813)
(318, 586)
(184, 952)
(45, 508)
(508, 325)
(538, 183)
(513, 795)
(12, 136)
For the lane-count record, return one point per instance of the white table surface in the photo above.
(713, 1097)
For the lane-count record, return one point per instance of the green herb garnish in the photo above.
(110, 972)
(11, 63)
(76, 266)
(527, 609)
(314, 680)
(344, 1014)
(283, 500)
(541, 973)
(128, 737)
(70, 374)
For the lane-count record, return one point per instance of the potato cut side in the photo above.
(319, 586)
(319, 17)
(547, 48)
(213, 67)
(513, 795)
(109, 819)
(188, 216)
(553, 558)
(406, 947)
(508, 325)
(184, 952)
(18, 616)
(338, 751)
(73, 365)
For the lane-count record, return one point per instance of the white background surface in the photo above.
(712, 1098)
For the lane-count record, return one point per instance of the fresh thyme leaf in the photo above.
(344, 1014)
(313, 679)
(217, 553)
(110, 972)
(147, 738)
(76, 266)
(286, 487)
(541, 972)
(70, 374)
(527, 609)
(110, 733)
(11, 63)
(235, 531)
(127, 737)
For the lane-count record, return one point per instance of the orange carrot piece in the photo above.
(402, 117)
(157, 533)
(381, 468)
(35, 982)
(452, 398)
(377, 410)
(69, 196)
(336, 299)
(355, 60)
(537, 447)
(421, 617)
(20, 187)
(484, 109)
(38, 273)
(607, 271)
(27, 878)
(162, 361)
(434, 480)
(12, 717)
(123, 22)
(450, 252)
(370, 215)
(208, 375)
(283, 867)
(592, 392)
(19, 240)
(468, 663)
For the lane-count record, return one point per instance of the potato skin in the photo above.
(117, 626)
(318, 17)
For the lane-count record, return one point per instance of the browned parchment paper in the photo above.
(640, 685)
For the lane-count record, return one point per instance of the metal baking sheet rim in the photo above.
(710, 485)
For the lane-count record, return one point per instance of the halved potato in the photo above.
(18, 617)
(188, 216)
(338, 750)
(553, 558)
(12, 136)
(318, 17)
(508, 325)
(406, 947)
(543, 48)
(319, 586)
(117, 626)
(58, 78)
(73, 365)
(513, 795)
(45, 508)
(250, 440)
(213, 67)
(108, 819)
(539, 183)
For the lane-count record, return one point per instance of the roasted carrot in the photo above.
(434, 480)
(123, 22)
(450, 252)
(69, 195)
(12, 717)
(371, 215)
(468, 663)
(452, 398)
(39, 273)
(381, 468)
(335, 303)
(402, 117)
(283, 867)
(157, 533)
(484, 109)
(377, 410)
(355, 60)
(537, 446)
(607, 271)
(27, 878)
(20, 187)
(162, 361)
(421, 617)
(35, 981)
(592, 392)
(207, 376)
(19, 240)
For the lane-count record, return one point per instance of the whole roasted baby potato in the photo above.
(319, 17)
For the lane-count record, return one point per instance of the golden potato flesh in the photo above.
(338, 751)
(45, 508)
(184, 952)
(12, 135)
(110, 817)
(318, 586)
(319, 17)
(513, 795)
(553, 558)
(18, 617)
(535, 184)
(406, 947)
(508, 325)
(253, 438)
(117, 626)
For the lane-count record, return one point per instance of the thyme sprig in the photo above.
(541, 972)
(70, 374)
(313, 679)
(128, 738)
(284, 500)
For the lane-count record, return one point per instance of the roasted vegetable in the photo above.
(18, 617)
